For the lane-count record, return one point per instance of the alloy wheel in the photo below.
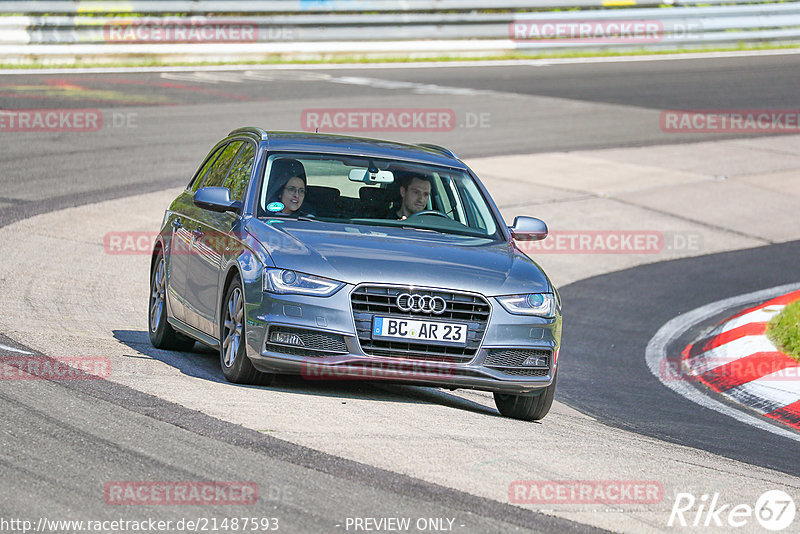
(157, 296)
(232, 328)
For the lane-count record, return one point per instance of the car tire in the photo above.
(527, 407)
(162, 335)
(236, 366)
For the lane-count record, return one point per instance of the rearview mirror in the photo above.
(216, 199)
(528, 229)
(363, 175)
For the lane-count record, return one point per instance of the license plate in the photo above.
(414, 330)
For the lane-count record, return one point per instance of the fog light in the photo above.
(286, 339)
(535, 361)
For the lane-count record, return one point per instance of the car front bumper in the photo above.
(340, 356)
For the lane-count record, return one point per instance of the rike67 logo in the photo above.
(774, 510)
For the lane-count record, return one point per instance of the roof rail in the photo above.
(446, 151)
(251, 130)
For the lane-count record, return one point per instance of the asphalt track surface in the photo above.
(615, 315)
(62, 440)
(45, 172)
(161, 155)
(612, 316)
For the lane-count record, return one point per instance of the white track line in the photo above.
(761, 315)
(778, 388)
(729, 352)
(12, 349)
(656, 355)
(419, 65)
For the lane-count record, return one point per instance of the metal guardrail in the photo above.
(675, 25)
(293, 29)
(205, 7)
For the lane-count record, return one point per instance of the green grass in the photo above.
(357, 59)
(784, 330)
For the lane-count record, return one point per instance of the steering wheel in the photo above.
(429, 212)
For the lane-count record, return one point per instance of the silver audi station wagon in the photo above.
(344, 258)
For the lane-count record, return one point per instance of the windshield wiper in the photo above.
(424, 229)
(279, 215)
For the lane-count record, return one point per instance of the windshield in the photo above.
(373, 191)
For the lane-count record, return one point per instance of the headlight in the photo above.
(541, 304)
(290, 282)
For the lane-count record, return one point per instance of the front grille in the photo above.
(510, 361)
(315, 343)
(368, 301)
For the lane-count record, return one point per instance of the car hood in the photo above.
(357, 254)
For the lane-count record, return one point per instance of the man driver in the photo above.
(415, 191)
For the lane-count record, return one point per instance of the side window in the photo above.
(477, 212)
(219, 171)
(195, 185)
(443, 196)
(452, 199)
(240, 172)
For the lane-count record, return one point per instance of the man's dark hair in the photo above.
(403, 178)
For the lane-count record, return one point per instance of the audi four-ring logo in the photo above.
(421, 303)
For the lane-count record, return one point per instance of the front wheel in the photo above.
(236, 366)
(162, 335)
(527, 407)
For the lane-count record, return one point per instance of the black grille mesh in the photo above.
(523, 371)
(315, 343)
(509, 361)
(514, 357)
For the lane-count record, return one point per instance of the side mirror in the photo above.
(528, 229)
(216, 199)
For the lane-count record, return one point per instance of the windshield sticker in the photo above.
(275, 206)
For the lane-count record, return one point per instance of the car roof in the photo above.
(354, 146)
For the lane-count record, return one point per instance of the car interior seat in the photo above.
(375, 202)
(323, 200)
